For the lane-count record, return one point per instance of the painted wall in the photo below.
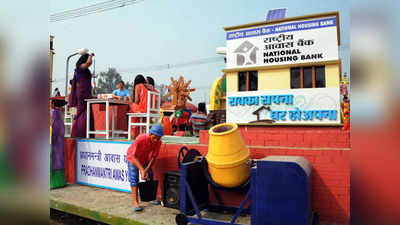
(232, 81)
(279, 78)
(274, 79)
(332, 75)
(70, 160)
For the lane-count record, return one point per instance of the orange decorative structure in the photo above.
(180, 92)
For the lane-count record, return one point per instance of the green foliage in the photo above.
(108, 81)
(162, 89)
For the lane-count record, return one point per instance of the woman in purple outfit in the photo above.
(81, 89)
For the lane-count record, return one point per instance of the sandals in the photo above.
(155, 202)
(137, 209)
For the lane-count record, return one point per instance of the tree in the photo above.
(162, 89)
(108, 81)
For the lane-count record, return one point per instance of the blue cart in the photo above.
(187, 195)
(280, 188)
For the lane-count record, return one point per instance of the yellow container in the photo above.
(227, 156)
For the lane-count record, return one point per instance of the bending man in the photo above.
(141, 157)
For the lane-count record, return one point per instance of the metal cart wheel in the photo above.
(181, 219)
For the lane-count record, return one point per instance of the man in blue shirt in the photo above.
(121, 92)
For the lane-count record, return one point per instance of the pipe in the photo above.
(66, 73)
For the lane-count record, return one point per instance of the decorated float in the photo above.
(280, 98)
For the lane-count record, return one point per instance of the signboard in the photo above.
(102, 164)
(292, 42)
(293, 106)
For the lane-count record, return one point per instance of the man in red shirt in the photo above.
(141, 157)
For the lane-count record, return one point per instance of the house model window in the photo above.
(248, 81)
(307, 77)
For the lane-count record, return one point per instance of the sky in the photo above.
(156, 32)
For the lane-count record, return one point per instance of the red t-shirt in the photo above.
(143, 149)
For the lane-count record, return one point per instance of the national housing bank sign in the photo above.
(285, 43)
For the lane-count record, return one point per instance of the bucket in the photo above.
(148, 190)
(228, 156)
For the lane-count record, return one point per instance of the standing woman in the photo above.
(139, 100)
(81, 89)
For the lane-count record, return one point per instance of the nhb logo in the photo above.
(246, 54)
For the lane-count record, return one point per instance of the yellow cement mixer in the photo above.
(228, 156)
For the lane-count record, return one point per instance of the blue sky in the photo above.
(154, 32)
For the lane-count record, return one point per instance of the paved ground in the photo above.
(114, 207)
(61, 218)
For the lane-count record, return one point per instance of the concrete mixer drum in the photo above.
(228, 156)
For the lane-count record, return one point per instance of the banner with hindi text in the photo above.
(293, 42)
(102, 164)
(293, 106)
